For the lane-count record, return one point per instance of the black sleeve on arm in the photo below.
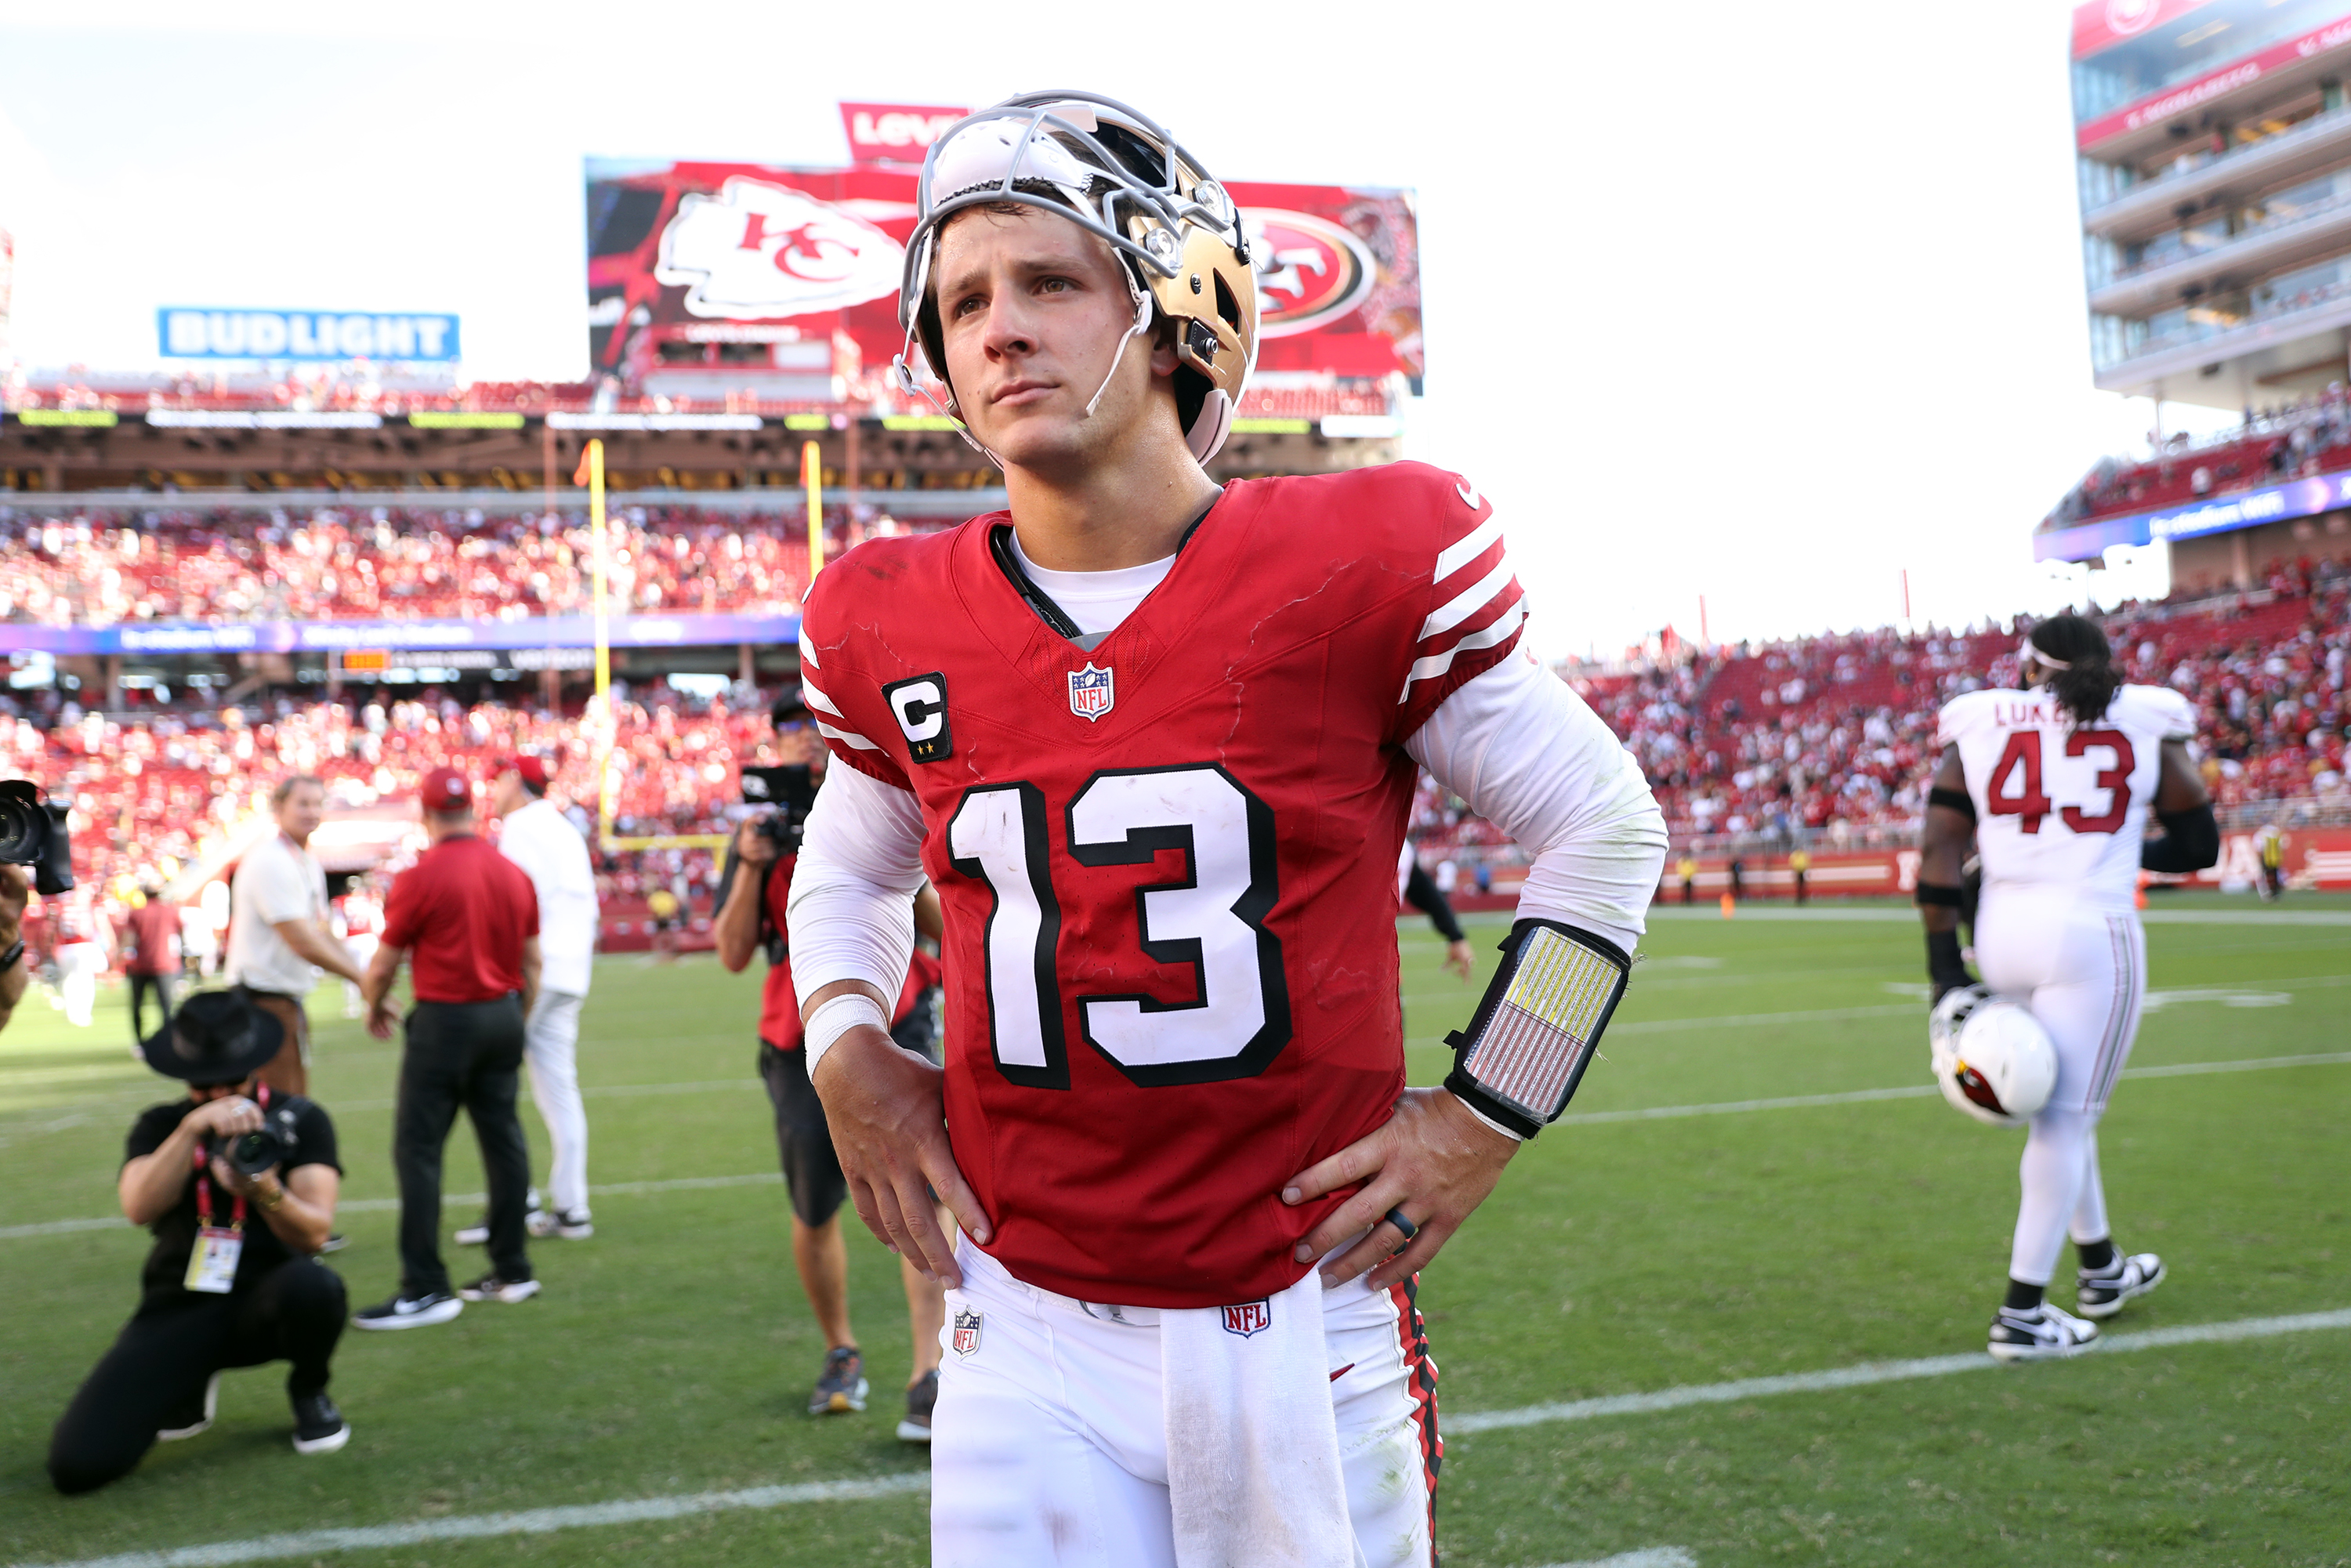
(1957, 800)
(1420, 891)
(1946, 970)
(2191, 841)
(317, 1132)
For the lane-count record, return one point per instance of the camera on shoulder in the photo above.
(32, 832)
(791, 790)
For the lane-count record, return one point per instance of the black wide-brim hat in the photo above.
(214, 1037)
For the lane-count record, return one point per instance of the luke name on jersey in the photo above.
(1167, 860)
(2057, 801)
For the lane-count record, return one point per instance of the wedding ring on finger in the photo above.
(1407, 1227)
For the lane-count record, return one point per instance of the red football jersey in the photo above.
(1168, 865)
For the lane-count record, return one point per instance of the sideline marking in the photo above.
(1870, 1371)
(1643, 1114)
(536, 1521)
(307, 1542)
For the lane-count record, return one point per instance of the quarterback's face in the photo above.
(1034, 311)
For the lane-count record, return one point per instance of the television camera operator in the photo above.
(239, 1185)
(753, 890)
(33, 833)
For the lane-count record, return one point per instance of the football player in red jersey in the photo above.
(1153, 740)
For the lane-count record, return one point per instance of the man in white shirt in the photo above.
(279, 939)
(550, 852)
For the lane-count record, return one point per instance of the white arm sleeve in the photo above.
(1531, 757)
(852, 911)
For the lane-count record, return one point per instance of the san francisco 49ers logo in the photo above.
(1248, 1318)
(1310, 270)
(759, 250)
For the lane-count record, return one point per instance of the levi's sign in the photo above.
(188, 332)
(894, 133)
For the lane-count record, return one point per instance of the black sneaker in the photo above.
(319, 1426)
(490, 1288)
(921, 1399)
(2044, 1333)
(842, 1388)
(409, 1312)
(192, 1418)
(2104, 1295)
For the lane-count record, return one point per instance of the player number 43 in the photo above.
(1212, 919)
(2015, 789)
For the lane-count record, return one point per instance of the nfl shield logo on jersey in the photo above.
(1248, 1318)
(1091, 693)
(967, 1333)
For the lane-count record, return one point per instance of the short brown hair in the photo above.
(288, 785)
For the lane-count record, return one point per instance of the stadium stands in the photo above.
(2313, 437)
(378, 563)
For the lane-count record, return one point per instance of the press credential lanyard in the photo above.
(212, 1267)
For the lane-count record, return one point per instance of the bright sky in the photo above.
(1762, 304)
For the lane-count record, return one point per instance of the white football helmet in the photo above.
(1991, 1057)
(1118, 175)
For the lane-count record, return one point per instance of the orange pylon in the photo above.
(1728, 906)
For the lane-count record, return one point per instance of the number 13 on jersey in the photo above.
(1212, 920)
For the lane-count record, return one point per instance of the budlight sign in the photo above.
(185, 332)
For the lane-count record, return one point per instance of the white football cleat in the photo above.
(2044, 1334)
(2104, 1295)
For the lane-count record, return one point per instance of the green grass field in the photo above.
(670, 1354)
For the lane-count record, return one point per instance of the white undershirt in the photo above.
(1095, 601)
(1515, 742)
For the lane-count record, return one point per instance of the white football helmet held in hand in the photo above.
(1991, 1057)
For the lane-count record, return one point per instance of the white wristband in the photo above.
(1514, 1137)
(836, 1018)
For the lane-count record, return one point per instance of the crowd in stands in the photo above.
(393, 564)
(1825, 737)
(1833, 736)
(2307, 437)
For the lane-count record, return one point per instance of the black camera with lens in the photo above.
(791, 791)
(272, 1143)
(32, 832)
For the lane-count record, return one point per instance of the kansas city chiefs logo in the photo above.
(1310, 270)
(758, 249)
(1248, 1318)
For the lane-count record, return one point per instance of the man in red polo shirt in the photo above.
(468, 919)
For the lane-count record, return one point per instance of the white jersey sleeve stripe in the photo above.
(1468, 603)
(818, 701)
(1467, 548)
(849, 736)
(1436, 665)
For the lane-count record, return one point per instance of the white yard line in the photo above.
(1878, 912)
(537, 1521)
(1869, 1372)
(1643, 1113)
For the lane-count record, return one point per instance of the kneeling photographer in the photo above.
(239, 1185)
(753, 891)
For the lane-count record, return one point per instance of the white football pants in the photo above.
(551, 1048)
(2083, 971)
(1049, 1446)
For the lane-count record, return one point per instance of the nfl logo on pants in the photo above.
(967, 1333)
(1248, 1318)
(1091, 693)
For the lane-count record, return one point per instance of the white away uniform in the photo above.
(2061, 812)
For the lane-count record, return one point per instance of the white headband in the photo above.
(2028, 651)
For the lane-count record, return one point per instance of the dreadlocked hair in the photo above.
(2089, 681)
